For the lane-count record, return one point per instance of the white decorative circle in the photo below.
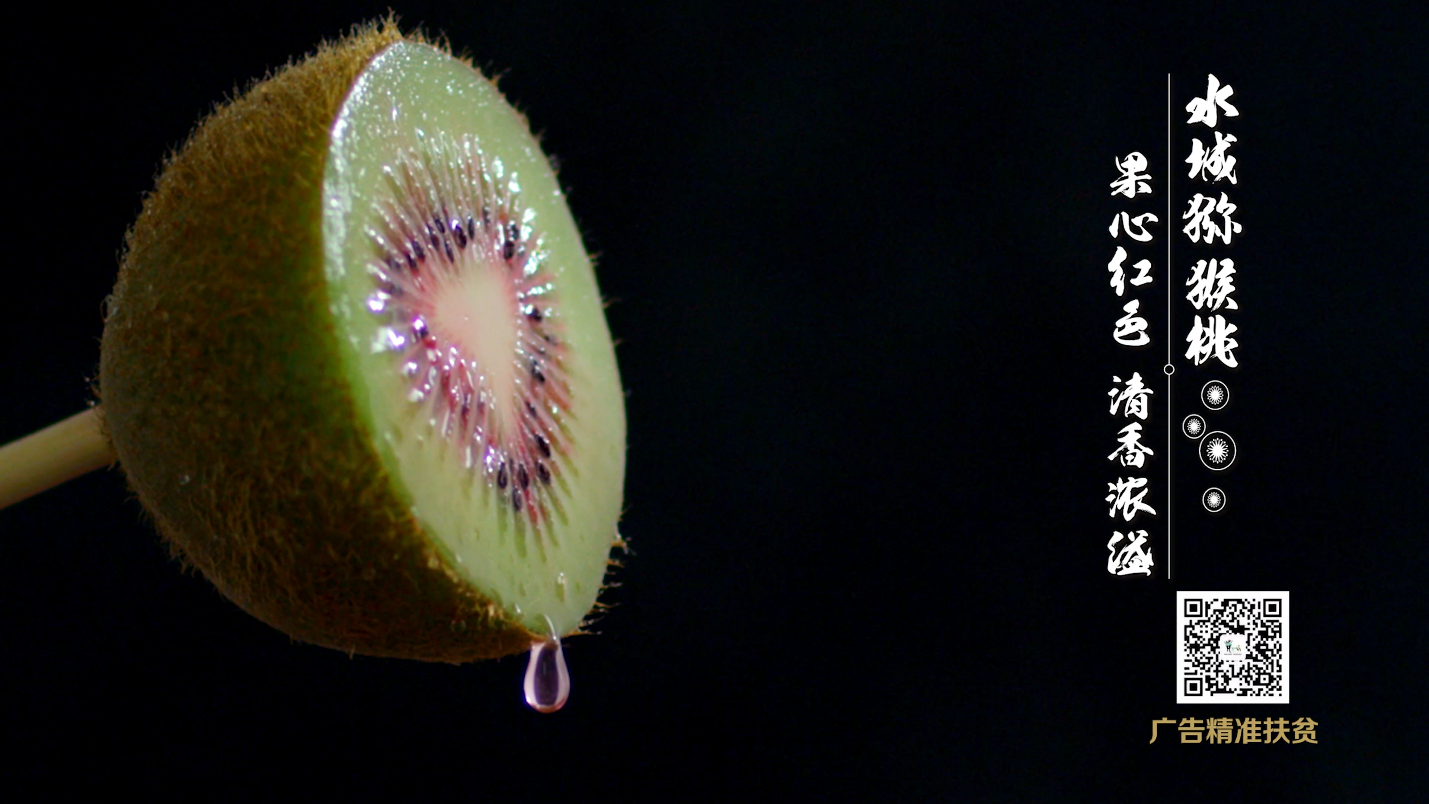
(1215, 394)
(1193, 426)
(1213, 499)
(1217, 450)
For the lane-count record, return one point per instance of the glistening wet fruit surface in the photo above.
(472, 319)
(356, 364)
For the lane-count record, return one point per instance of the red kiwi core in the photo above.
(470, 312)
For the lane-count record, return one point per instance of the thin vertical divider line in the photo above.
(1168, 326)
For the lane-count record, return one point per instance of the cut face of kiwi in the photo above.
(474, 335)
(357, 365)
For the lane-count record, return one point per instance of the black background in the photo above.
(859, 262)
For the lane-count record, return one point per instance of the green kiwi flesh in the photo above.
(290, 460)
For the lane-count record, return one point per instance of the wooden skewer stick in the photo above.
(60, 452)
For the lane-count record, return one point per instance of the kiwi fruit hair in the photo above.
(356, 365)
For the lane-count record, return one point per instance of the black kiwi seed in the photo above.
(501, 475)
(516, 499)
(523, 476)
(543, 472)
(543, 445)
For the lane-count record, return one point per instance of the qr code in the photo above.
(1232, 647)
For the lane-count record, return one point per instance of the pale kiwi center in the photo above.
(474, 335)
(476, 311)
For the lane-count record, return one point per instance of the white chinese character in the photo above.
(1132, 559)
(1134, 395)
(1212, 286)
(1202, 225)
(1118, 276)
(1133, 180)
(1203, 110)
(1124, 221)
(1131, 328)
(1221, 165)
(1214, 338)
(1121, 497)
(1131, 451)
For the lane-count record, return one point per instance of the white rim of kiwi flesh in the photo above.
(357, 368)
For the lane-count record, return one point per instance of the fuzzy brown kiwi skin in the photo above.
(222, 391)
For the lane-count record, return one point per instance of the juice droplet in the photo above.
(547, 682)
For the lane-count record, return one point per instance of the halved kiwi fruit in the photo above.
(357, 366)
